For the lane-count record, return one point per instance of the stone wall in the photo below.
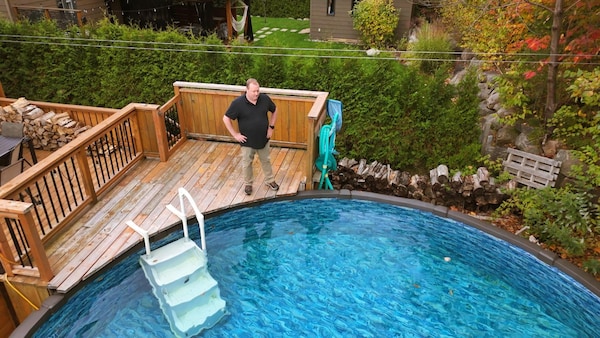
(497, 136)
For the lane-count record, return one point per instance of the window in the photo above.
(330, 7)
(66, 4)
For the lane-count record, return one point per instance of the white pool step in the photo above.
(188, 295)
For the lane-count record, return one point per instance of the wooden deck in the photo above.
(209, 171)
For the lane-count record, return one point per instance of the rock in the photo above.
(506, 135)
(493, 99)
(524, 143)
(458, 77)
(484, 110)
(484, 91)
(550, 148)
(503, 112)
(373, 52)
(467, 55)
(568, 160)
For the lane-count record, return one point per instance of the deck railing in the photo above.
(64, 17)
(47, 197)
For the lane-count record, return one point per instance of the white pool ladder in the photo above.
(188, 295)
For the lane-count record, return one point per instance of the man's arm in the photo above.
(229, 125)
(272, 123)
(273, 118)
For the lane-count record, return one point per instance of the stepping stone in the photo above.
(284, 29)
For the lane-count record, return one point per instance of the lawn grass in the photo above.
(260, 22)
(284, 37)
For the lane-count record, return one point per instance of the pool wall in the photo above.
(29, 326)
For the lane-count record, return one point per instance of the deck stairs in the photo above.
(188, 295)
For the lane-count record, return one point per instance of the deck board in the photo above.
(210, 171)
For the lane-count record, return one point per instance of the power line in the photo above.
(279, 48)
(281, 51)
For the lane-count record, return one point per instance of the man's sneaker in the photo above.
(248, 189)
(273, 185)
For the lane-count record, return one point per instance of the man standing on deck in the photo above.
(255, 131)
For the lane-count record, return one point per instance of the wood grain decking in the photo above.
(209, 171)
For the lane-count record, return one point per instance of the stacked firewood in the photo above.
(469, 192)
(47, 130)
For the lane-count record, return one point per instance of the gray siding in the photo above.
(339, 26)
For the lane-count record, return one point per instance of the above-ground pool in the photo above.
(328, 267)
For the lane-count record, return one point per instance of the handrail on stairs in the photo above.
(179, 213)
(143, 233)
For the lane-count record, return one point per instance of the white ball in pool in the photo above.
(447, 259)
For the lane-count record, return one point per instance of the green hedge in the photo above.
(393, 113)
(297, 9)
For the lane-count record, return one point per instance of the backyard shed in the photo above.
(331, 20)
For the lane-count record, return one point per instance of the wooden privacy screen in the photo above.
(205, 109)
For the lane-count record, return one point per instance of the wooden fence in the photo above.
(64, 17)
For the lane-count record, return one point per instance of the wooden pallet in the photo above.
(531, 170)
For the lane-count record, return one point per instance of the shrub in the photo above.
(432, 48)
(564, 219)
(376, 21)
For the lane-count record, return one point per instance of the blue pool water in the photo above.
(340, 268)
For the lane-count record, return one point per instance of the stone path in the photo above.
(266, 31)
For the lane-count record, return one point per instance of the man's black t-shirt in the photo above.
(252, 119)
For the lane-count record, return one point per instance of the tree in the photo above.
(529, 37)
(376, 20)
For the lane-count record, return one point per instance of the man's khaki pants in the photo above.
(248, 154)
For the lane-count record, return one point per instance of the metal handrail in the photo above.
(181, 214)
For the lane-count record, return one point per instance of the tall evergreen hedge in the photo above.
(297, 9)
(393, 113)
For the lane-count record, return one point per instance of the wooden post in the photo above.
(35, 244)
(229, 22)
(315, 119)
(6, 257)
(158, 117)
(23, 212)
(79, 18)
(2, 91)
(88, 182)
(10, 11)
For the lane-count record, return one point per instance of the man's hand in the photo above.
(240, 138)
(269, 133)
